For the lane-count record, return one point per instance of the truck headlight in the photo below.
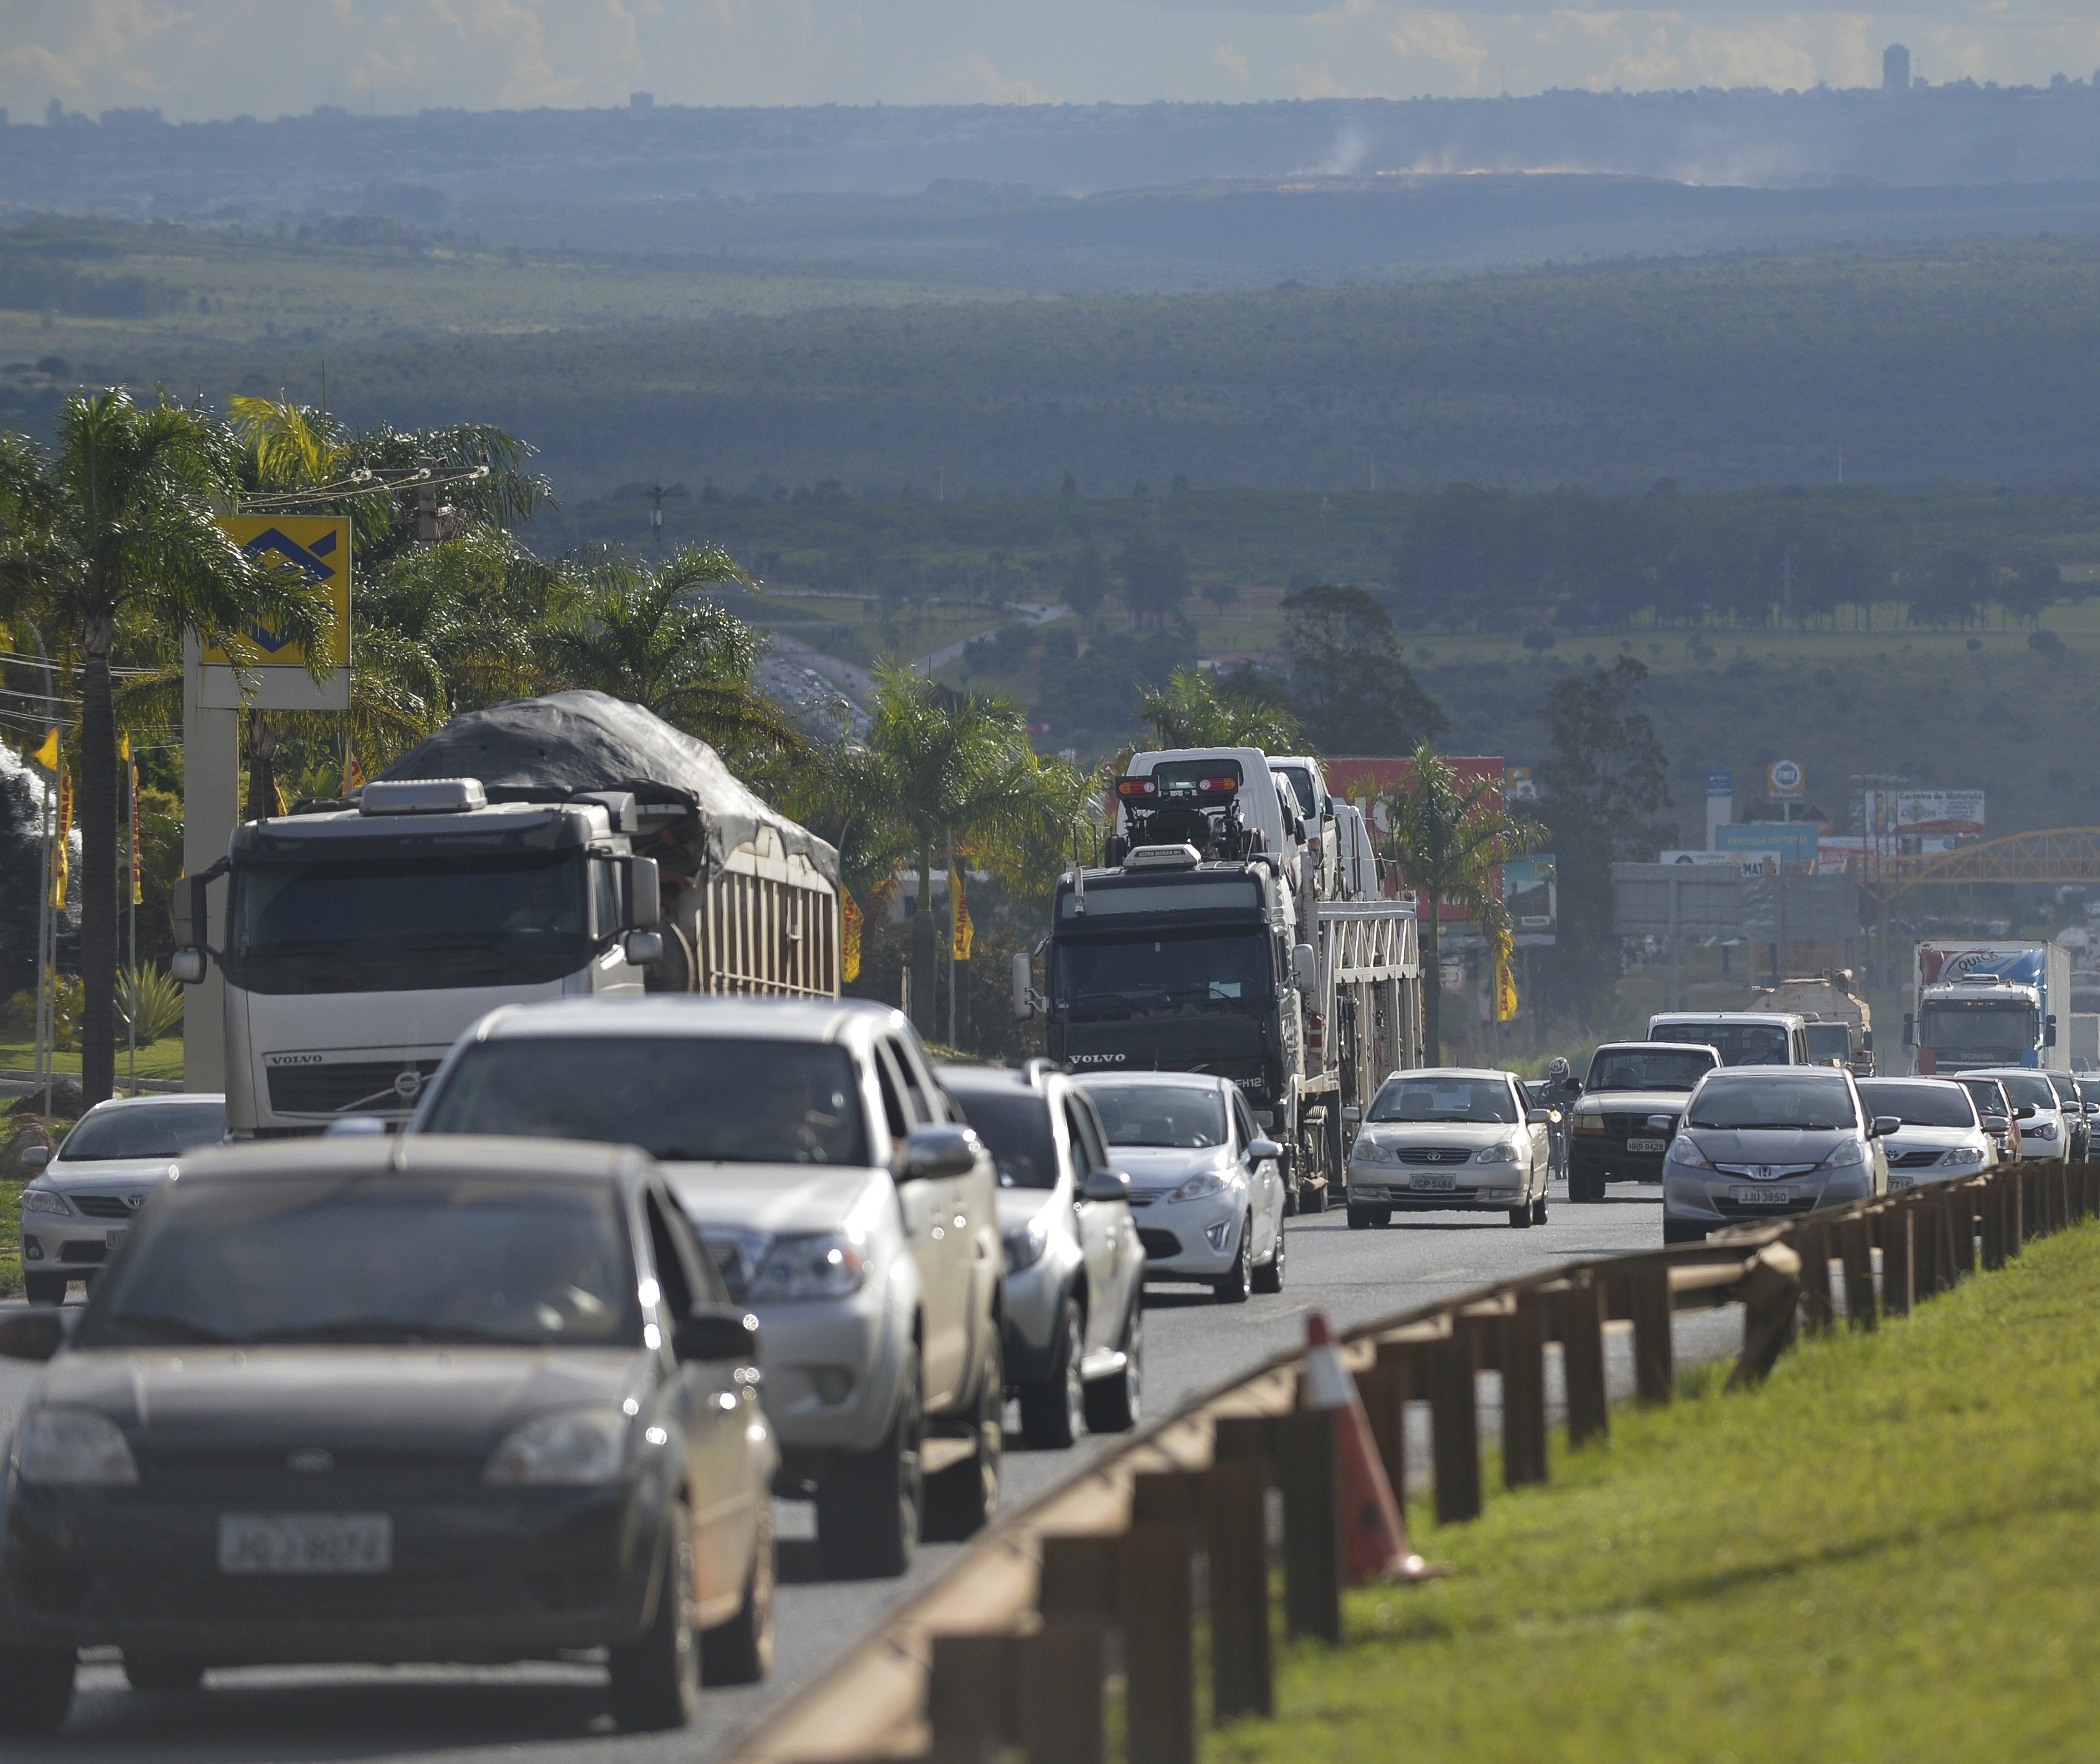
(44, 1201)
(1025, 1244)
(823, 1264)
(572, 1448)
(74, 1448)
(1589, 1124)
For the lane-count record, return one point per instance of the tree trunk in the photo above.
(1432, 983)
(96, 757)
(262, 768)
(923, 937)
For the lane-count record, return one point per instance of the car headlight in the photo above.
(1959, 1157)
(572, 1449)
(1370, 1151)
(73, 1447)
(1589, 1124)
(1683, 1152)
(1502, 1151)
(1025, 1244)
(824, 1264)
(1205, 1182)
(43, 1200)
(2037, 1130)
(1851, 1151)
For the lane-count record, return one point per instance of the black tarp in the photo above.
(539, 749)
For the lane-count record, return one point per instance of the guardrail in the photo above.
(1017, 1646)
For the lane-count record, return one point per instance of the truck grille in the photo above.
(1635, 1127)
(362, 1087)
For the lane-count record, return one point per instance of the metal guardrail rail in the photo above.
(1015, 1647)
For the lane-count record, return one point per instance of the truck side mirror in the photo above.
(1024, 986)
(1910, 1030)
(644, 897)
(1305, 967)
(2049, 1031)
(1867, 1041)
(187, 967)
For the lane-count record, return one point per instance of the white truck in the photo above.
(1840, 1023)
(1976, 1004)
(549, 847)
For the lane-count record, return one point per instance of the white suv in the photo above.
(842, 1197)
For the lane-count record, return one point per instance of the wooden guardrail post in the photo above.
(1997, 1207)
(1961, 1224)
(969, 1697)
(2059, 1196)
(1855, 1237)
(1159, 1642)
(1236, 1524)
(1925, 1245)
(1580, 1304)
(2016, 1210)
(1304, 1447)
(1945, 1211)
(1058, 1673)
(1772, 1301)
(1524, 1392)
(1897, 1287)
(1648, 1295)
(1454, 1427)
(1813, 1243)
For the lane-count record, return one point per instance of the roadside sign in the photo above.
(318, 544)
(1721, 784)
(1784, 782)
(1522, 787)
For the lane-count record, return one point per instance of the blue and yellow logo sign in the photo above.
(317, 544)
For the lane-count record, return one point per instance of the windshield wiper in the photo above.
(390, 1331)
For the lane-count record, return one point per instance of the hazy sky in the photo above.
(196, 58)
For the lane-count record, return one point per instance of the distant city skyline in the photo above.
(213, 58)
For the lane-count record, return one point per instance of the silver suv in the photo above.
(1074, 1266)
(844, 1198)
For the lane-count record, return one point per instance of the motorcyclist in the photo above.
(1559, 1094)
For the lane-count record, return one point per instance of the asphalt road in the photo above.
(554, 1713)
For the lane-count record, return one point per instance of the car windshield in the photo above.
(684, 1099)
(1646, 1069)
(1803, 1103)
(145, 1129)
(1919, 1105)
(1984, 1092)
(1015, 1126)
(1737, 1044)
(2028, 1087)
(374, 1260)
(1188, 1116)
(1443, 1098)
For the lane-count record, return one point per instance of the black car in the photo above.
(452, 1400)
(1632, 1100)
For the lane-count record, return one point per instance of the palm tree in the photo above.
(1190, 711)
(116, 528)
(1448, 835)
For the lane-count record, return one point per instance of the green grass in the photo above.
(1889, 1552)
(10, 1240)
(161, 1059)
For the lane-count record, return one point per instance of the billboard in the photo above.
(1955, 812)
(1742, 863)
(1795, 841)
(1784, 782)
(317, 546)
(1530, 893)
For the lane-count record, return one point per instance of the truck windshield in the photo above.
(1188, 974)
(1647, 1068)
(1829, 1041)
(407, 922)
(684, 1099)
(1737, 1044)
(1991, 1030)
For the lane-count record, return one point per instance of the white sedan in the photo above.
(1942, 1135)
(1452, 1139)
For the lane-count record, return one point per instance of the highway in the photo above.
(554, 1713)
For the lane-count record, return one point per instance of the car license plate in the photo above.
(1436, 1184)
(305, 1543)
(1762, 1197)
(1647, 1145)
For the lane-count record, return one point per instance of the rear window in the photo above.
(1737, 1044)
(1920, 1105)
(147, 1129)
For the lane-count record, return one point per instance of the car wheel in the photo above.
(867, 1508)
(657, 1680)
(1269, 1277)
(1114, 1404)
(45, 1289)
(1519, 1216)
(1363, 1218)
(740, 1652)
(36, 1689)
(1538, 1210)
(962, 1499)
(162, 1672)
(1053, 1411)
(1679, 1231)
(1232, 1288)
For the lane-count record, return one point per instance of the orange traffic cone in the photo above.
(1374, 1545)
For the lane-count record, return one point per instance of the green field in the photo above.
(1888, 1552)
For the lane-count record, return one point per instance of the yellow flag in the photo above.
(138, 878)
(1505, 981)
(47, 755)
(850, 920)
(966, 932)
(123, 747)
(61, 851)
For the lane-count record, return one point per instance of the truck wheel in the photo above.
(1114, 1404)
(867, 1508)
(1052, 1411)
(657, 1680)
(740, 1652)
(962, 1499)
(45, 1289)
(1268, 1277)
(36, 1689)
(1232, 1287)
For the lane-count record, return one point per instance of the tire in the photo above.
(36, 1689)
(1363, 1218)
(656, 1681)
(162, 1672)
(1053, 1411)
(1269, 1277)
(1519, 1216)
(1114, 1404)
(963, 1498)
(740, 1652)
(1238, 1285)
(1676, 1231)
(45, 1289)
(868, 1507)
(1538, 1210)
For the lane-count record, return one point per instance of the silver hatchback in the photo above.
(1757, 1142)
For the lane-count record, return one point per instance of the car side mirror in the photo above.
(1261, 1151)
(934, 1152)
(187, 967)
(714, 1335)
(36, 1157)
(1105, 1185)
(1661, 1124)
(642, 949)
(1352, 1114)
(36, 1335)
(2025, 1111)
(1542, 1117)
(1884, 1126)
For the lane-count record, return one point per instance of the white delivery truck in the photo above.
(1986, 1004)
(549, 847)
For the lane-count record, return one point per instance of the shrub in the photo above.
(159, 1002)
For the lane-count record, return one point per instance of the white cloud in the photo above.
(1231, 61)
